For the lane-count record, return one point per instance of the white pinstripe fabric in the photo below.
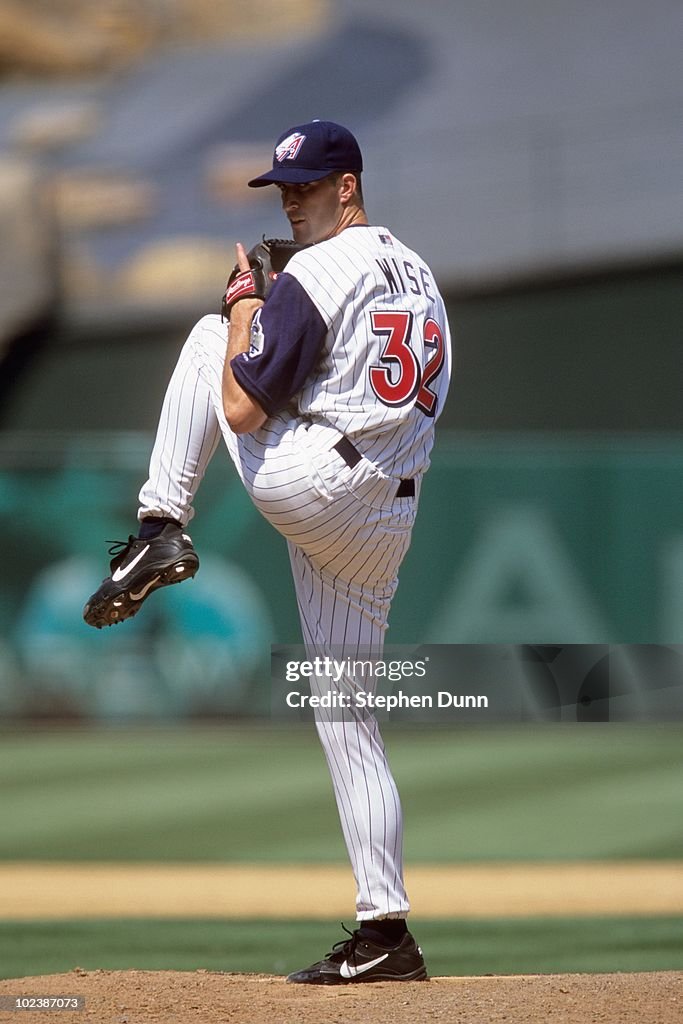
(336, 619)
(346, 530)
(344, 278)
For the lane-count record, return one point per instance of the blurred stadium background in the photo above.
(533, 154)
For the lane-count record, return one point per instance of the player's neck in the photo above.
(352, 216)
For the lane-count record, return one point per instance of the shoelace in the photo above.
(346, 946)
(119, 547)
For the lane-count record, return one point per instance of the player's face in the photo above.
(313, 209)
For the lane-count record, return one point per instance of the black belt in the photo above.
(351, 456)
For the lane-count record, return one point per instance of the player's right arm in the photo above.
(274, 360)
(242, 411)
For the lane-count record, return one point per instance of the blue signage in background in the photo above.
(200, 649)
(518, 541)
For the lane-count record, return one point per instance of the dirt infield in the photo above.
(92, 890)
(139, 997)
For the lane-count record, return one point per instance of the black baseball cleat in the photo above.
(138, 568)
(357, 960)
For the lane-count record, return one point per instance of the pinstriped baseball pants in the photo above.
(346, 534)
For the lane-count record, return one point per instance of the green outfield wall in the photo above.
(520, 539)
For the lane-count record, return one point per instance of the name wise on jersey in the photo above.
(405, 280)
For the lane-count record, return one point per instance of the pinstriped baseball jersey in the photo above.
(376, 346)
(386, 359)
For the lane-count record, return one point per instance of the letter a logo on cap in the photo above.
(289, 147)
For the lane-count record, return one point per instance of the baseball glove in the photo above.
(267, 260)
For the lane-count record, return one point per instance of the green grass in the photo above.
(277, 947)
(262, 794)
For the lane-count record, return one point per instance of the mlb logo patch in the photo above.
(386, 239)
(289, 148)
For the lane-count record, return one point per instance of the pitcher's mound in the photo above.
(175, 997)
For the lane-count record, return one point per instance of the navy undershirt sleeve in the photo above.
(293, 336)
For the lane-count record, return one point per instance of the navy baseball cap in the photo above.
(308, 152)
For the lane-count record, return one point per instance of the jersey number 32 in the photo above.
(401, 378)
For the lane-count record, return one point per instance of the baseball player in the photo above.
(326, 397)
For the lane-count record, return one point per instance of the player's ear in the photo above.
(348, 187)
